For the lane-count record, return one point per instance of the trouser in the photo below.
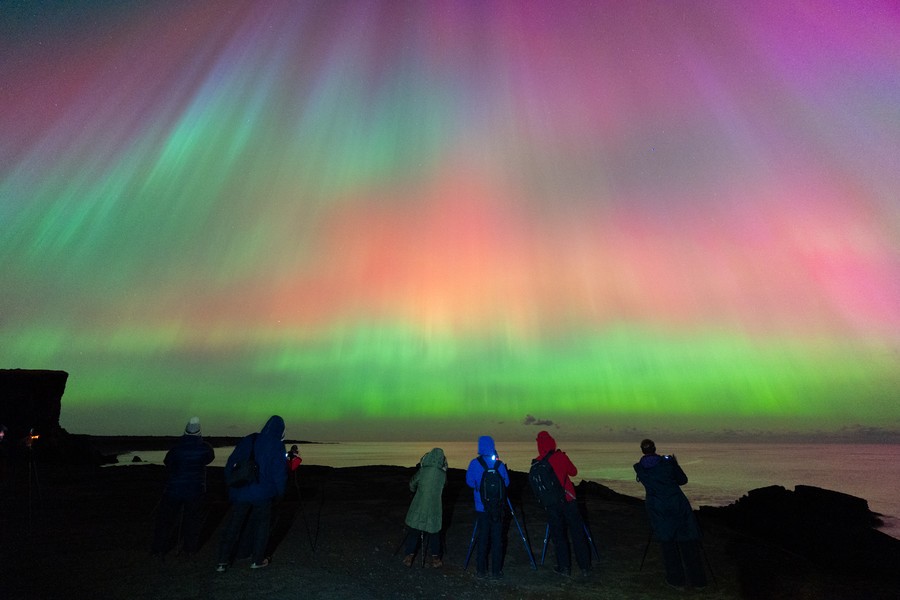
(412, 540)
(683, 563)
(565, 522)
(490, 534)
(167, 518)
(257, 516)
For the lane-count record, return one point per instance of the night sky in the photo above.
(398, 219)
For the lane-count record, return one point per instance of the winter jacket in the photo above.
(426, 511)
(268, 449)
(488, 452)
(186, 467)
(669, 510)
(562, 465)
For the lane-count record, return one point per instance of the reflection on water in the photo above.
(718, 473)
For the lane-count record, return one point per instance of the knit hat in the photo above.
(193, 426)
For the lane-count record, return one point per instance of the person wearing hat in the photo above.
(184, 492)
(671, 517)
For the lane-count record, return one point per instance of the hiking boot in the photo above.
(563, 572)
(436, 562)
(408, 559)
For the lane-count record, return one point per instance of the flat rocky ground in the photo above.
(85, 532)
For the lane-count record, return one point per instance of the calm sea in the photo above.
(718, 474)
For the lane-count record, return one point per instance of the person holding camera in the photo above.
(185, 492)
(671, 517)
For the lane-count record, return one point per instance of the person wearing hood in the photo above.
(671, 517)
(184, 492)
(489, 524)
(426, 513)
(564, 517)
(253, 502)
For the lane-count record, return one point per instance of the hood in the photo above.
(545, 443)
(274, 428)
(435, 458)
(648, 461)
(486, 446)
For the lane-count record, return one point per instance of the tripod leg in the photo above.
(546, 537)
(422, 544)
(522, 534)
(471, 544)
(708, 565)
(303, 514)
(587, 532)
(403, 535)
(646, 549)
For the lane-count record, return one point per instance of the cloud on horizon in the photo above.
(532, 420)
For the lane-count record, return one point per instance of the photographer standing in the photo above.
(671, 517)
(185, 491)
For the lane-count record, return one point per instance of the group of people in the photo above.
(247, 530)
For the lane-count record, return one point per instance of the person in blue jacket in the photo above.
(671, 517)
(490, 527)
(252, 503)
(184, 492)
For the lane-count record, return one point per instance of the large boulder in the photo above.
(834, 530)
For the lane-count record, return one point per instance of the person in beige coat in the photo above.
(426, 514)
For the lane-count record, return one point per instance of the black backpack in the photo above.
(493, 490)
(243, 472)
(545, 484)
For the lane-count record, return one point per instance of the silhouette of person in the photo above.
(252, 503)
(564, 519)
(489, 523)
(184, 493)
(426, 513)
(671, 517)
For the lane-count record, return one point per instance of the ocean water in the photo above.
(718, 473)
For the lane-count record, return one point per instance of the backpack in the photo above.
(244, 472)
(545, 484)
(492, 489)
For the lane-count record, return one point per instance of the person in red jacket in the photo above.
(564, 519)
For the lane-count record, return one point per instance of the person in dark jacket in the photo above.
(426, 512)
(490, 527)
(564, 516)
(184, 492)
(671, 517)
(252, 504)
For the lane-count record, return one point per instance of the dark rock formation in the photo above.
(30, 405)
(833, 530)
(31, 399)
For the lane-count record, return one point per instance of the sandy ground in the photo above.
(84, 532)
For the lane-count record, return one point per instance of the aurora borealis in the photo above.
(410, 219)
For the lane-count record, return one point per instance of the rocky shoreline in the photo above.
(73, 531)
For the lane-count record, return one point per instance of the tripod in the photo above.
(702, 550)
(33, 481)
(521, 534)
(425, 542)
(587, 533)
(309, 537)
